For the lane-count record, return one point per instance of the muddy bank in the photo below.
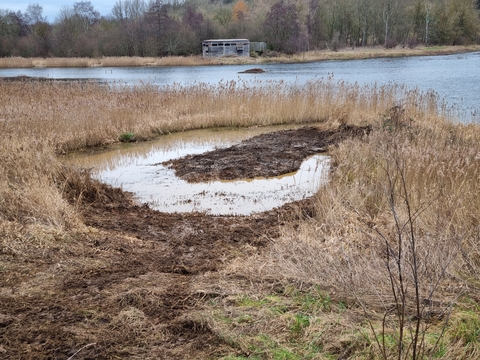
(252, 71)
(265, 155)
(124, 287)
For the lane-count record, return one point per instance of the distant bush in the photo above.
(412, 43)
(391, 43)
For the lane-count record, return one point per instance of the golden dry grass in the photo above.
(381, 52)
(28, 191)
(441, 177)
(64, 116)
(126, 61)
(343, 246)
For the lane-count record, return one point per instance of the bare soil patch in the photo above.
(121, 289)
(266, 155)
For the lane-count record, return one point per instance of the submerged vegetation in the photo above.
(386, 265)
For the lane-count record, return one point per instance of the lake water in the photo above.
(456, 78)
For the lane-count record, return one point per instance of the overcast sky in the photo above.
(51, 8)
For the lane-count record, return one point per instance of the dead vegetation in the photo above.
(87, 273)
(76, 114)
(404, 189)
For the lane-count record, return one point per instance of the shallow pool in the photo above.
(137, 168)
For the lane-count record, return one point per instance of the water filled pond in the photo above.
(137, 168)
(454, 77)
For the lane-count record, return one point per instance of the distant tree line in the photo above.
(161, 28)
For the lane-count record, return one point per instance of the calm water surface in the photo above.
(456, 78)
(137, 168)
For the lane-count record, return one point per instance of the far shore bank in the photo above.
(310, 56)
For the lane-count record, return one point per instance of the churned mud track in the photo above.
(123, 287)
(172, 252)
(266, 155)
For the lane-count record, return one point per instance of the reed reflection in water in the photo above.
(137, 168)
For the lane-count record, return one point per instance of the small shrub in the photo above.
(391, 43)
(127, 137)
(412, 43)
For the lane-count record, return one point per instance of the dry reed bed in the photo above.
(72, 115)
(352, 211)
(30, 184)
(126, 61)
(343, 247)
(38, 117)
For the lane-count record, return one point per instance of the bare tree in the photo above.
(388, 12)
(282, 28)
(428, 12)
(85, 14)
(364, 14)
(33, 14)
(223, 16)
(129, 9)
(416, 263)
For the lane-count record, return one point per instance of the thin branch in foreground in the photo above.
(83, 347)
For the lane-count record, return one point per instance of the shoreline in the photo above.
(197, 60)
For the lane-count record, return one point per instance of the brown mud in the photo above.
(266, 155)
(124, 287)
(252, 71)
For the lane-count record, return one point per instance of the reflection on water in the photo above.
(134, 167)
(242, 197)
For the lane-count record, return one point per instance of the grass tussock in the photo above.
(30, 184)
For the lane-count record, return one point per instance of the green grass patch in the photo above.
(127, 137)
(465, 326)
(285, 325)
(300, 322)
(439, 347)
(266, 347)
(312, 300)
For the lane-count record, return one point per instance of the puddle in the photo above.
(135, 168)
